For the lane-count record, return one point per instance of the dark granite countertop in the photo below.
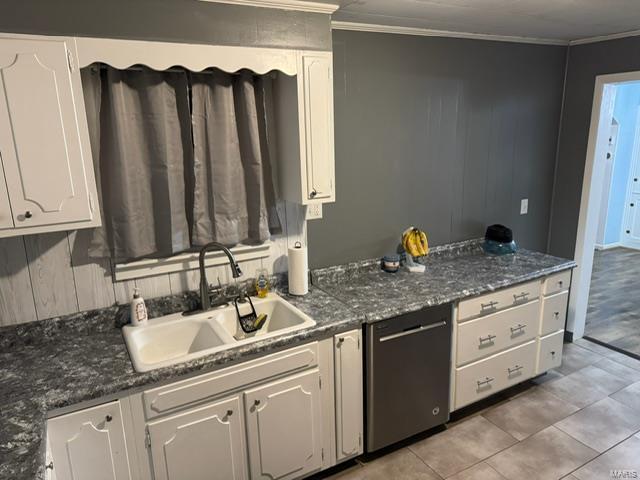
(452, 272)
(61, 362)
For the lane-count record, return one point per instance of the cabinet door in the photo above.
(6, 217)
(348, 378)
(202, 444)
(318, 113)
(42, 155)
(89, 444)
(284, 427)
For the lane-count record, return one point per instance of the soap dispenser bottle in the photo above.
(138, 309)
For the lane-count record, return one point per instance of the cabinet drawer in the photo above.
(554, 312)
(499, 300)
(488, 376)
(557, 282)
(550, 352)
(491, 334)
(161, 400)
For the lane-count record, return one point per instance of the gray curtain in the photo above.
(234, 199)
(144, 144)
(173, 175)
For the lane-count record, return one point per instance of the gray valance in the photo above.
(182, 159)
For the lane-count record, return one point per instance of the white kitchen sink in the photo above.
(179, 338)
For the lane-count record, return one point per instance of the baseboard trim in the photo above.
(609, 246)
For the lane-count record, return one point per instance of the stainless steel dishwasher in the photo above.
(407, 379)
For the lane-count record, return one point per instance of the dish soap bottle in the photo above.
(262, 283)
(139, 314)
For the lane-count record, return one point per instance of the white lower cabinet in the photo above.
(200, 444)
(284, 427)
(550, 352)
(89, 444)
(348, 387)
(283, 416)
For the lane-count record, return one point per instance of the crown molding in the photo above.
(315, 7)
(427, 32)
(604, 38)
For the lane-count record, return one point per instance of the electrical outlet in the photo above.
(314, 211)
(524, 206)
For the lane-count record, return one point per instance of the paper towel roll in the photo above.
(298, 270)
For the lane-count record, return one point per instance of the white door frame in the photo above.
(601, 115)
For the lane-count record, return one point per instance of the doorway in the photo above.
(603, 305)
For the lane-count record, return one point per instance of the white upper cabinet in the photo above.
(317, 80)
(305, 133)
(89, 444)
(44, 144)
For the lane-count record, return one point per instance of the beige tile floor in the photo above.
(579, 422)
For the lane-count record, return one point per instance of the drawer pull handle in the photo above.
(560, 283)
(556, 314)
(553, 353)
(521, 297)
(517, 329)
(489, 338)
(515, 369)
(256, 402)
(484, 382)
(229, 413)
(108, 418)
(489, 306)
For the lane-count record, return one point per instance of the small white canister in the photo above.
(298, 270)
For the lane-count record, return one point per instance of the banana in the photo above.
(414, 242)
(424, 242)
(418, 242)
(408, 242)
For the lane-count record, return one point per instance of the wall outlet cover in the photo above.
(314, 211)
(524, 206)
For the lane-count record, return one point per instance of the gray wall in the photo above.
(585, 63)
(169, 20)
(445, 134)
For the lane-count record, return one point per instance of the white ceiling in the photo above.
(563, 20)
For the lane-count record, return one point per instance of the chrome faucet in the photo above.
(205, 300)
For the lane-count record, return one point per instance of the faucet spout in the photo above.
(205, 300)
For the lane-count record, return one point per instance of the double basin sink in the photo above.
(179, 338)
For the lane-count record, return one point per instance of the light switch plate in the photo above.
(314, 211)
(524, 206)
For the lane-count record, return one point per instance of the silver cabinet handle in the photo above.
(422, 328)
(489, 306)
(521, 297)
(515, 369)
(486, 381)
(518, 328)
(488, 338)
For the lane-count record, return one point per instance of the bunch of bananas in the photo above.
(415, 242)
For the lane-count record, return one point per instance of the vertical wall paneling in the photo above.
(94, 286)
(426, 129)
(51, 274)
(16, 298)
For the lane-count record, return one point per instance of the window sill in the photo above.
(187, 261)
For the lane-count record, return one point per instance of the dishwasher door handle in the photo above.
(422, 328)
